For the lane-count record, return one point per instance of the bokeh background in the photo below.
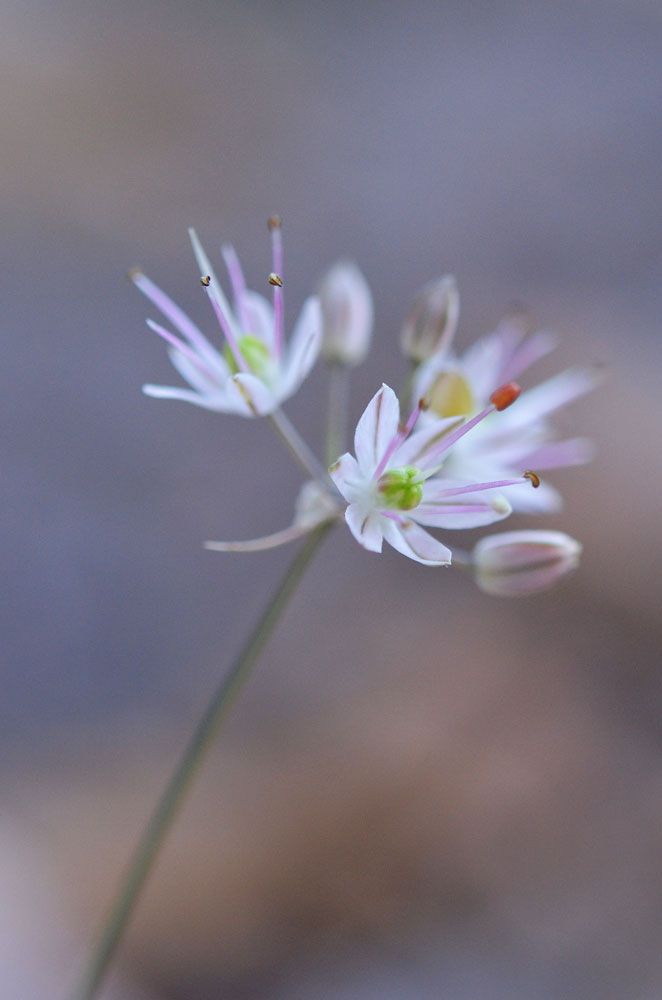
(424, 792)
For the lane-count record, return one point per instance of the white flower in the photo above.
(393, 486)
(254, 371)
(522, 438)
(517, 563)
(347, 314)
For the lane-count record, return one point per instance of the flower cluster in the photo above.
(462, 459)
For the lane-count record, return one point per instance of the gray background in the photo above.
(424, 792)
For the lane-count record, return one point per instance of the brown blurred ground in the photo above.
(438, 794)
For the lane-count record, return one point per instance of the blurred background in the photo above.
(424, 791)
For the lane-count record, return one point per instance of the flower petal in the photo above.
(471, 513)
(416, 543)
(376, 428)
(346, 474)
(258, 397)
(366, 526)
(420, 448)
(259, 316)
(304, 347)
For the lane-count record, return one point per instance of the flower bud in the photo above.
(517, 563)
(430, 326)
(347, 314)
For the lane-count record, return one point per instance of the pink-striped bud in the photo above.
(518, 563)
(430, 326)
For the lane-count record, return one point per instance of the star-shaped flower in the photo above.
(254, 371)
(523, 437)
(393, 486)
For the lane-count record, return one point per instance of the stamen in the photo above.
(402, 433)
(533, 477)
(276, 280)
(497, 484)
(505, 395)
(238, 283)
(225, 324)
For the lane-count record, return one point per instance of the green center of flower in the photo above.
(401, 489)
(450, 395)
(254, 352)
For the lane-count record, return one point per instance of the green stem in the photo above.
(337, 411)
(166, 810)
(299, 449)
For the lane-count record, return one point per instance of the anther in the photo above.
(505, 395)
(533, 477)
(205, 280)
(424, 404)
(275, 279)
(274, 222)
(133, 273)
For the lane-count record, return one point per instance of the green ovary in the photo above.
(401, 489)
(254, 352)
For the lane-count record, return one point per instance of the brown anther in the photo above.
(505, 395)
(274, 222)
(275, 279)
(533, 477)
(424, 404)
(133, 273)
(205, 280)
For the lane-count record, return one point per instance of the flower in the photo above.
(517, 563)
(393, 487)
(254, 372)
(524, 437)
(347, 314)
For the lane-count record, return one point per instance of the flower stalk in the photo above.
(175, 791)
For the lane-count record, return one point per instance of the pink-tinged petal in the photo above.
(376, 428)
(346, 475)
(484, 361)
(366, 526)
(194, 376)
(304, 347)
(172, 312)
(415, 543)
(535, 347)
(258, 397)
(551, 395)
(236, 276)
(418, 447)
(559, 454)
(258, 317)
(470, 514)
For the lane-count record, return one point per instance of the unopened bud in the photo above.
(430, 326)
(518, 563)
(347, 314)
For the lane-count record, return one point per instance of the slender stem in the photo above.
(298, 447)
(171, 800)
(336, 427)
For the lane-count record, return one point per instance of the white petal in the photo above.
(194, 375)
(375, 429)
(258, 397)
(477, 515)
(266, 542)
(415, 543)
(346, 474)
(366, 526)
(218, 402)
(303, 349)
